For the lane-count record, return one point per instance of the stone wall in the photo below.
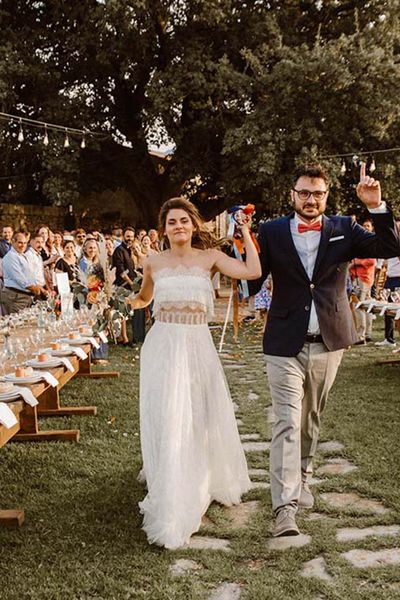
(27, 216)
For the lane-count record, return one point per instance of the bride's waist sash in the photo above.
(181, 317)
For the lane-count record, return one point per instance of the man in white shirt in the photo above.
(310, 322)
(20, 287)
(35, 260)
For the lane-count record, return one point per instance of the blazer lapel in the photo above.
(327, 227)
(291, 248)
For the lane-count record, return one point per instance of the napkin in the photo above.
(7, 417)
(49, 378)
(79, 352)
(103, 336)
(66, 363)
(93, 342)
(27, 395)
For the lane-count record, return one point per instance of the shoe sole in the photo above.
(286, 533)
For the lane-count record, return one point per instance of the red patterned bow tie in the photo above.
(302, 228)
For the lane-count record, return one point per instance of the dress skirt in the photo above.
(191, 447)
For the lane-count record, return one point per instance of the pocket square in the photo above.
(338, 237)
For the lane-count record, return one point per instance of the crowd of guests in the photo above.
(29, 262)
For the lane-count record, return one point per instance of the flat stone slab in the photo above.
(348, 534)
(352, 501)
(245, 437)
(235, 366)
(252, 396)
(315, 481)
(315, 516)
(260, 485)
(331, 446)
(236, 406)
(256, 446)
(239, 422)
(241, 514)
(336, 466)
(367, 559)
(182, 566)
(258, 472)
(316, 568)
(199, 542)
(289, 541)
(226, 591)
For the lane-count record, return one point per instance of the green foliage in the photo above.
(243, 89)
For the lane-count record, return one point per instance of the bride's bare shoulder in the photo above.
(158, 261)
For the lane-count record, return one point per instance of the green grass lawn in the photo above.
(82, 537)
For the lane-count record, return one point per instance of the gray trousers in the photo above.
(299, 388)
(13, 302)
(363, 319)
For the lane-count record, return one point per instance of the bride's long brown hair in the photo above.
(201, 238)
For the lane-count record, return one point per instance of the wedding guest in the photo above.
(392, 282)
(155, 243)
(58, 243)
(146, 246)
(80, 236)
(35, 260)
(68, 262)
(310, 322)
(125, 275)
(6, 240)
(20, 288)
(109, 244)
(89, 264)
(138, 254)
(118, 236)
(141, 234)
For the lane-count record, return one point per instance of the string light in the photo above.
(372, 167)
(343, 168)
(9, 186)
(83, 142)
(46, 137)
(21, 132)
(66, 140)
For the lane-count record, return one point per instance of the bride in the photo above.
(191, 448)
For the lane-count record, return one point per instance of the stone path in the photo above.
(332, 508)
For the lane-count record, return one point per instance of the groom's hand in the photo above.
(369, 189)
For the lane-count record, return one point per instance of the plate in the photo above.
(9, 396)
(32, 379)
(48, 364)
(65, 352)
(79, 340)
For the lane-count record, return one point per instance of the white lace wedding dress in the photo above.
(191, 448)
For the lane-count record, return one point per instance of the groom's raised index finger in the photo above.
(362, 170)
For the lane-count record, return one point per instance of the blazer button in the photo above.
(307, 308)
(312, 286)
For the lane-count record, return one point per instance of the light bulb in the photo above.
(343, 168)
(83, 142)
(20, 133)
(372, 166)
(66, 141)
(9, 186)
(46, 137)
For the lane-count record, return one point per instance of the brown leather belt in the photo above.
(24, 292)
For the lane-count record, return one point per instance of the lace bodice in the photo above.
(183, 295)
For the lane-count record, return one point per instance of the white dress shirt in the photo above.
(307, 244)
(35, 262)
(16, 271)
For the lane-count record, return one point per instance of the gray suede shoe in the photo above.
(285, 522)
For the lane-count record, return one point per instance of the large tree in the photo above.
(243, 90)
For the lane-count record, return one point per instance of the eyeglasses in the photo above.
(305, 194)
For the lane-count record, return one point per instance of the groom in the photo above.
(310, 323)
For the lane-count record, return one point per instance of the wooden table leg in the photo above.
(11, 518)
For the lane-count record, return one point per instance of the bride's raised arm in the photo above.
(145, 294)
(250, 269)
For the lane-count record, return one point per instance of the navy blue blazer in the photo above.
(341, 240)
